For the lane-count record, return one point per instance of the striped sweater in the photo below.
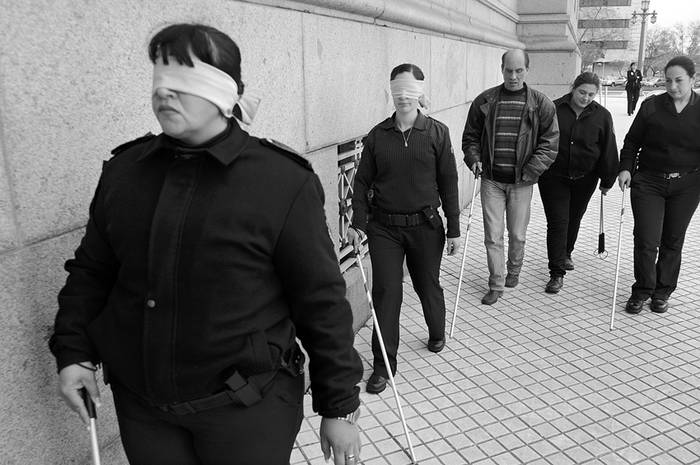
(509, 112)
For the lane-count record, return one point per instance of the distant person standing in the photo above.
(587, 153)
(512, 136)
(632, 86)
(664, 142)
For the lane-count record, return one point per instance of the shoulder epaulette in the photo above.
(437, 122)
(649, 104)
(287, 152)
(131, 143)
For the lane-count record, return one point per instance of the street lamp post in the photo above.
(643, 15)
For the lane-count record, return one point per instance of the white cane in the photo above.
(358, 255)
(617, 264)
(464, 257)
(92, 414)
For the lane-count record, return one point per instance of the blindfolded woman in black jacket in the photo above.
(205, 254)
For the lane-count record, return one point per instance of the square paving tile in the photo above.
(538, 378)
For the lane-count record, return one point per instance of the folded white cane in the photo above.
(617, 264)
(358, 255)
(90, 406)
(464, 257)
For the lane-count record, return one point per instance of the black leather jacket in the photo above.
(538, 138)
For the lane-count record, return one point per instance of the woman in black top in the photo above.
(409, 167)
(663, 144)
(632, 86)
(587, 153)
(205, 254)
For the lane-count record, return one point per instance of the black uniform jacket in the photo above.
(407, 178)
(664, 140)
(586, 144)
(198, 263)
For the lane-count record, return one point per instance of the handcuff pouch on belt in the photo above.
(251, 390)
(241, 390)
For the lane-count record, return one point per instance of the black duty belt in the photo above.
(241, 391)
(399, 219)
(659, 174)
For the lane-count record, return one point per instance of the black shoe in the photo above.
(512, 280)
(436, 345)
(634, 306)
(375, 384)
(659, 305)
(568, 264)
(491, 297)
(554, 285)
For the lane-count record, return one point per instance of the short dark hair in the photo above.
(208, 44)
(407, 67)
(586, 78)
(633, 63)
(525, 54)
(684, 62)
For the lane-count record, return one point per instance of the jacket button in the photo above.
(150, 303)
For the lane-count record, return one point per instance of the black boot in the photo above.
(376, 383)
(634, 306)
(554, 285)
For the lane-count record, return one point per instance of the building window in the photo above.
(349, 154)
(585, 3)
(603, 23)
(608, 44)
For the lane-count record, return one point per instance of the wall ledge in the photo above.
(413, 14)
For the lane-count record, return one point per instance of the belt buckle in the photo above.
(672, 175)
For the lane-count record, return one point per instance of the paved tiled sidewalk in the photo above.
(540, 378)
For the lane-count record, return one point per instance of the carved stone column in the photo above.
(548, 29)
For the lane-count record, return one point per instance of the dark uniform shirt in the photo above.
(586, 143)
(408, 172)
(667, 141)
(200, 262)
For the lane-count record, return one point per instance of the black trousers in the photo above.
(632, 98)
(565, 201)
(662, 210)
(422, 247)
(229, 435)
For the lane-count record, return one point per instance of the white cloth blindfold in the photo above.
(407, 87)
(202, 80)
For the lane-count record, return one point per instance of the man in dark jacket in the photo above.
(511, 137)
